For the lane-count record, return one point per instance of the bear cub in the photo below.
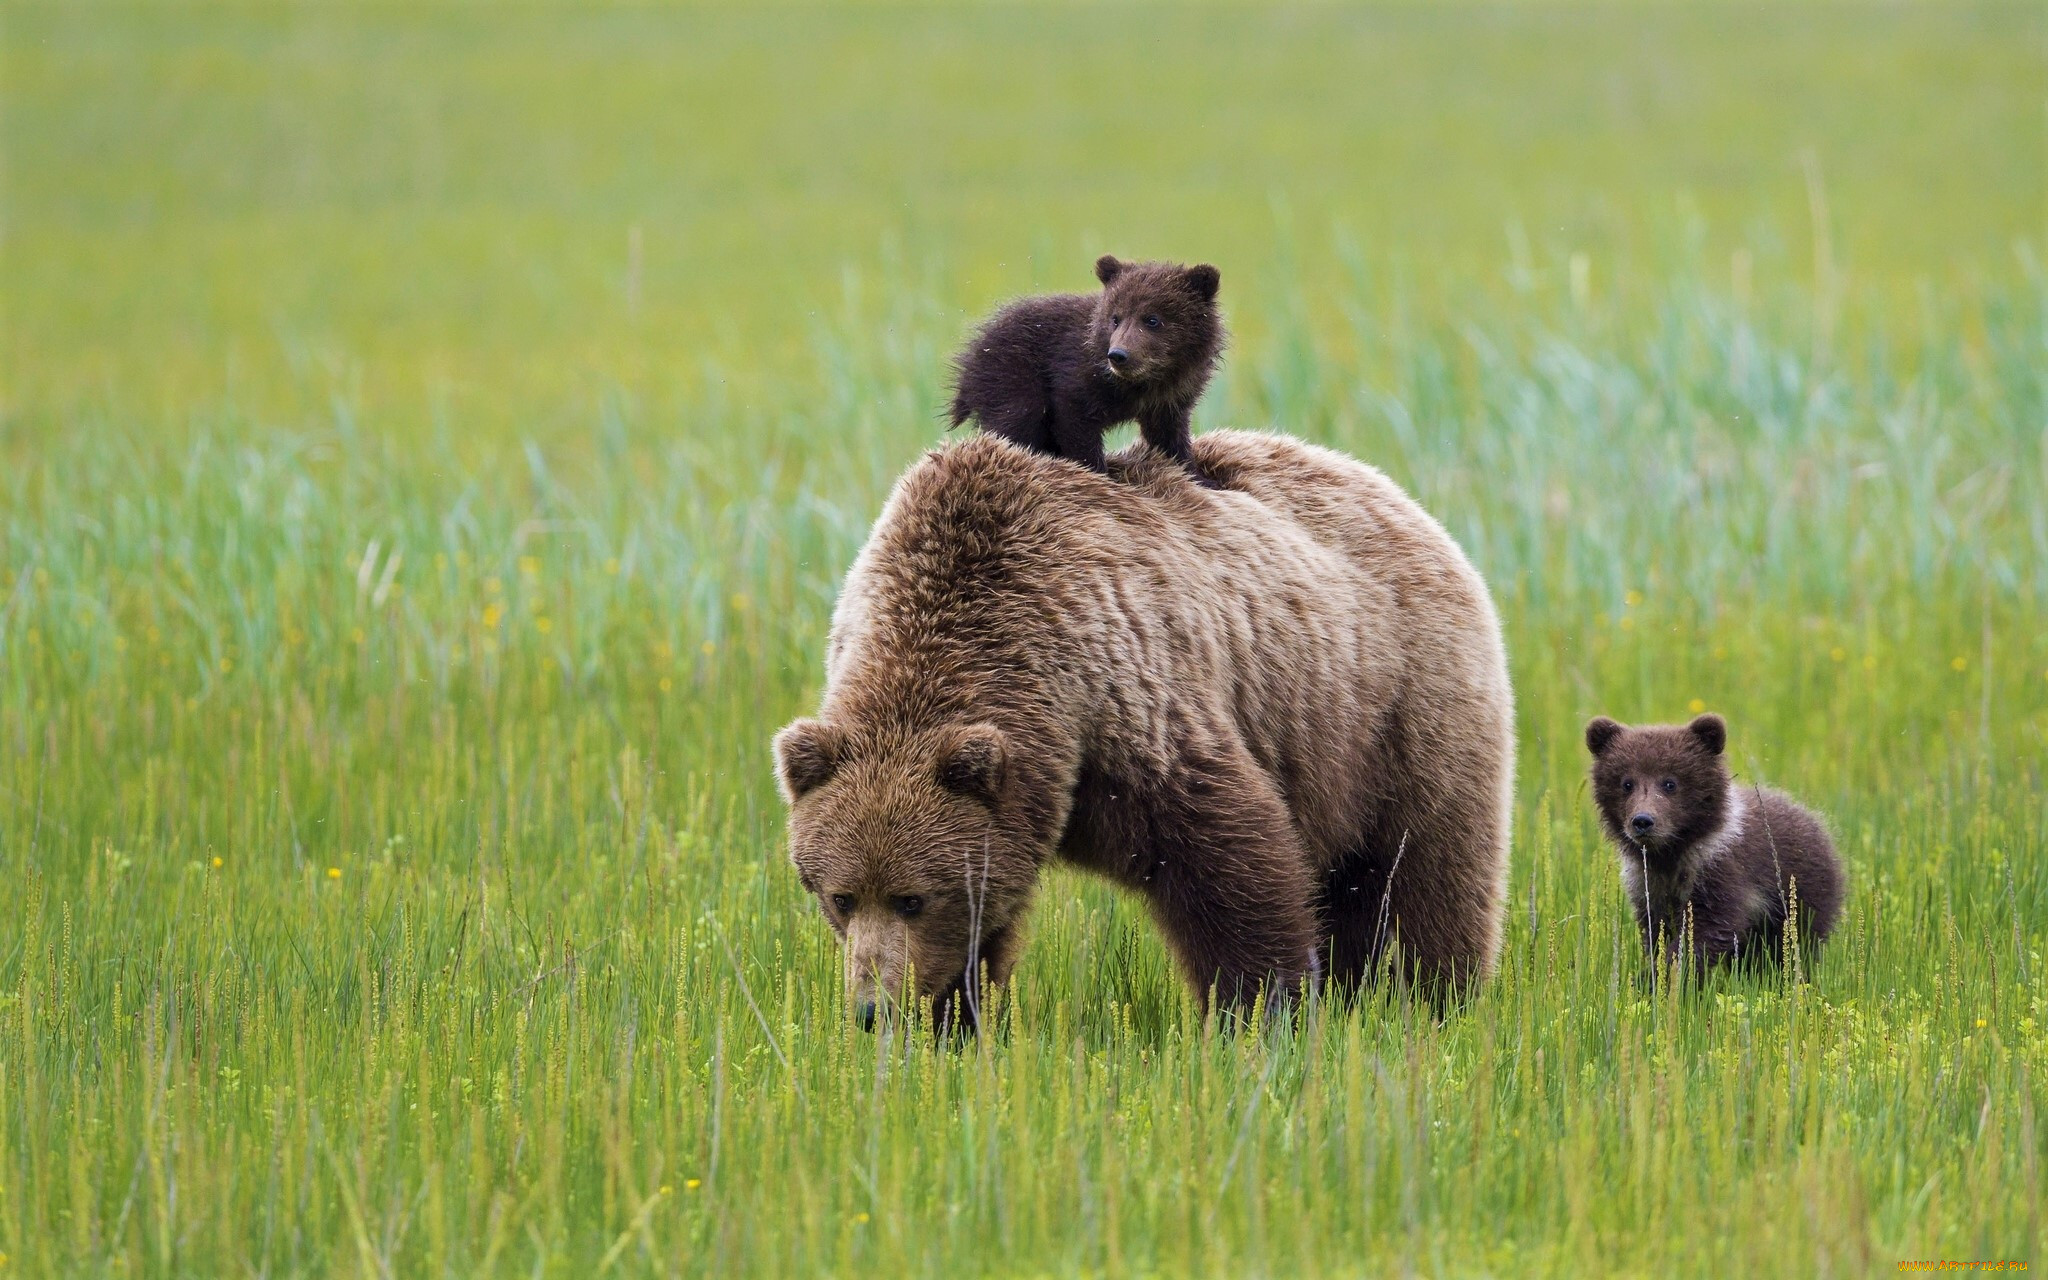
(1701, 857)
(1056, 373)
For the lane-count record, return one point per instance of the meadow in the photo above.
(430, 439)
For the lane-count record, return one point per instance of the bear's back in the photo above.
(1309, 607)
(987, 554)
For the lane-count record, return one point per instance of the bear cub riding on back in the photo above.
(1056, 373)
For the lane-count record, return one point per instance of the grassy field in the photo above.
(430, 437)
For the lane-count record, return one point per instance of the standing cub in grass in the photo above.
(1056, 373)
(1701, 855)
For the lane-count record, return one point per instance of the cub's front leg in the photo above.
(1167, 431)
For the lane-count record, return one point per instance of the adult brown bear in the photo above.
(1278, 710)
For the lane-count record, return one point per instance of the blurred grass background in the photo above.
(445, 196)
(430, 437)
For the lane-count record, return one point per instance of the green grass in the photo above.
(399, 585)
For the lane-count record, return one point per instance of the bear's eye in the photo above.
(842, 903)
(1668, 786)
(909, 905)
(1628, 784)
(1116, 319)
(1151, 322)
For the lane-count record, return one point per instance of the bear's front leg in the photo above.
(1215, 852)
(959, 1008)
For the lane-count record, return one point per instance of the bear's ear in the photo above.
(1205, 280)
(807, 754)
(1712, 731)
(1107, 268)
(974, 762)
(1599, 732)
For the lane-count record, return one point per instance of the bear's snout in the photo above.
(876, 963)
(1641, 824)
(1119, 357)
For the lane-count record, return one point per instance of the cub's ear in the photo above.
(1599, 732)
(1107, 268)
(807, 754)
(1205, 280)
(1712, 731)
(975, 762)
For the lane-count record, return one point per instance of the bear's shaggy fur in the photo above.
(1280, 712)
(1056, 373)
(1701, 856)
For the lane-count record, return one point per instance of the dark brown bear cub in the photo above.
(1056, 373)
(1701, 857)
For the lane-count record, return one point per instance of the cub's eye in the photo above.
(1151, 322)
(1116, 319)
(842, 903)
(1667, 786)
(909, 905)
(1628, 784)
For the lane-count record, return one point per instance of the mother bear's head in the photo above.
(911, 843)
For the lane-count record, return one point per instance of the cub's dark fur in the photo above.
(1056, 373)
(1699, 853)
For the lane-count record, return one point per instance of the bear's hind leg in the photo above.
(1076, 436)
(1026, 422)
(1419, 888)
(1356, 916)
